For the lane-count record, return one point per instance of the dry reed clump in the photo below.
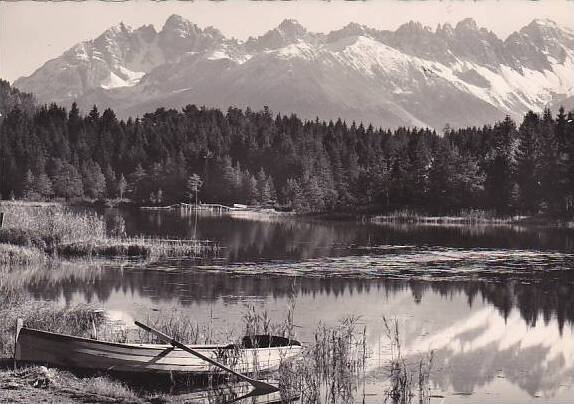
(11, 255)
(330, 368)
(53, 224)
(179, 327)
(135, 247)
(77, 320)
(405, 382)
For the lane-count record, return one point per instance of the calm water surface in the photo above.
(496, 304)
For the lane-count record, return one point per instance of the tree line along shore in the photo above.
(242, 156)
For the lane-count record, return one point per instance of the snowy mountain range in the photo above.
(460, 75)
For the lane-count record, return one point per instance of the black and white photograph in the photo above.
(305, 201)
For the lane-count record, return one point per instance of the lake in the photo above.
(495, 304)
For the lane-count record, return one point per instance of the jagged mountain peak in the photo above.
(147, 32)
(114, 33)
(413, 27)
(289, 31)
(467, 24)
(545, 29)
(176, 21)
(352, 29)
(290, 26)
(119, 28)
(446, 30)
(178, 26)
(180, 36)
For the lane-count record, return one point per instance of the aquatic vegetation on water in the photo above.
(466, 217)
(135, 247)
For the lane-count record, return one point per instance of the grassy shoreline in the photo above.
(35, 232)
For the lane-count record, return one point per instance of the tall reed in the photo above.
(405, 383)
(330, 367)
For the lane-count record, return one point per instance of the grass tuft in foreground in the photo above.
(40, 384)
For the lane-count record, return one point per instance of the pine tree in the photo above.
(67, 181)
(264, 192)
(194, 184)
(547, 166)
(29, 191)
(249, 188)
(500, 167)
(138, 180)
(526, 160)
(565, 160)
(293, 196)
(122, 186)
(93, 179)
(43, 186)
(111, 182)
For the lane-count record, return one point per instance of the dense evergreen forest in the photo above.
(252, 157)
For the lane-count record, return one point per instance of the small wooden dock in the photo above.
(210, 207)
(190, 207)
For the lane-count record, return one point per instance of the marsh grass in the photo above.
(58, 231)
(464, 217)
(47, 226)
(406, 383)
(330, 368)
(135, 247)
(12, 255)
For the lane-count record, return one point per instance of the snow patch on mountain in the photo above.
(369, 56)
(127, 79)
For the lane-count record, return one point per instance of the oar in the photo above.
(259, 385)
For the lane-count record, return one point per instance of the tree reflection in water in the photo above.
(492, 301)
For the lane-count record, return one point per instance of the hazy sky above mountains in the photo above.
(31, 33)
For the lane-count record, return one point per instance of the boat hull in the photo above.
(82, 353)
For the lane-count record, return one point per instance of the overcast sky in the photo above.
(33, 32)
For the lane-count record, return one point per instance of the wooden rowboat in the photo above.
(258, 353)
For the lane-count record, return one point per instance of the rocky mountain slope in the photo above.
(460, 75)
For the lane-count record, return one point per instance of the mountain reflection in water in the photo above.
(496, 304)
